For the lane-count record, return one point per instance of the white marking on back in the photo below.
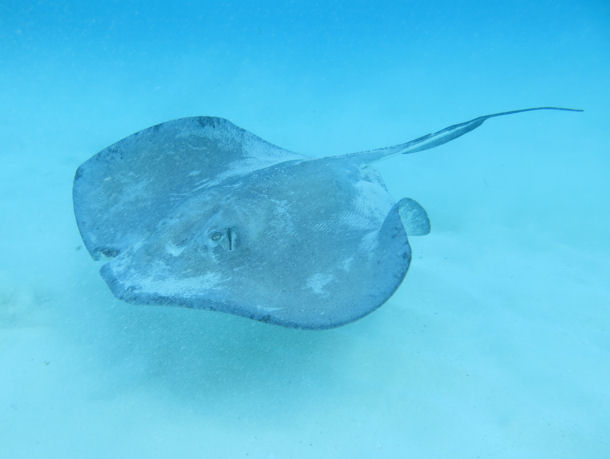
(347, 264)
(173, 249)
(180, 286)
(318, 281)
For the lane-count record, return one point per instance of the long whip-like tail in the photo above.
(440, 137)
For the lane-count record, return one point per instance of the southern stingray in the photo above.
(200, 213)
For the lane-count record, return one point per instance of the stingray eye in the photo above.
(216, 236)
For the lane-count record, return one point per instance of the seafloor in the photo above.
(496, 345)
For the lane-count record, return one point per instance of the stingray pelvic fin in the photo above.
(414, 217)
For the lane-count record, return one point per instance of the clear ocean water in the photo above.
(497, 344)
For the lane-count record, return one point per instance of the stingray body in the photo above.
(197, 212)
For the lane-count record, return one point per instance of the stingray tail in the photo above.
(440, 137)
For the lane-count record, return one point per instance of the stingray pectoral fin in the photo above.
(440, 137)
(123, 192)
(414, 217)
(298, 290)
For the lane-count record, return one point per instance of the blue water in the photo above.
(497, 345)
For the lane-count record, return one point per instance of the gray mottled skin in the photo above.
(199, 213)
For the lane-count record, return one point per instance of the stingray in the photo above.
(197, 212)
